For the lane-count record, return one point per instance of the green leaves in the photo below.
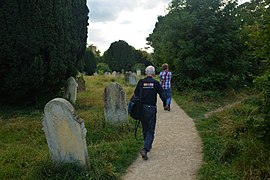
(42, 43)
(199, 39)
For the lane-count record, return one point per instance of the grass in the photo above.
(233, 143)
(24, 153)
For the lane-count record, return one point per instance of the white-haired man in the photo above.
(148, 88)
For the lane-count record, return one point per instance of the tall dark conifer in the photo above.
(41, 45)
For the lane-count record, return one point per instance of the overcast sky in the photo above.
(128, 20)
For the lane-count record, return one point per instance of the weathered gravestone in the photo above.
(71, 90)
(139, 72)
(65, 133)
(132, 79)
(81, 83)
(114, 73)
(127, 74)
(115, 108)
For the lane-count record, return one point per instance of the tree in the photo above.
(102, 68)
(42, 43)
(119, 56)
(91, 58)
(199, 39)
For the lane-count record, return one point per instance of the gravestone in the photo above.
(115, 108)
(139, 72)
(127, 74)
(81, 83)
(71, 90)
(65, 133)
(132, 80)
(95, 74)
(114, 73)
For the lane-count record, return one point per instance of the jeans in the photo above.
(168, 96)
(148, 120)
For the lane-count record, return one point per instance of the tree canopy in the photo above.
(199, 39)
(42, 43)
(122, 56)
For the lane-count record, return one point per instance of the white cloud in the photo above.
(128, 20)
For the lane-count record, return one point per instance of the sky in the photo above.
(128, 20)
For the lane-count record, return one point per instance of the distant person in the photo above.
(165, 81)
(148, 88)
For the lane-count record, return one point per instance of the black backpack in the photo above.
(134, 107)
(135, 110)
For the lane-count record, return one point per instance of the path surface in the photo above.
(176, 152)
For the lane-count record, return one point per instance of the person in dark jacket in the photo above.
(148, 88)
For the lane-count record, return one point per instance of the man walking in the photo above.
(148, 88)
(165, 80)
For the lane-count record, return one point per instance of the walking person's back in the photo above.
(165, 80)
(148, 88)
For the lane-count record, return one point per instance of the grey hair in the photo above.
(150, 70)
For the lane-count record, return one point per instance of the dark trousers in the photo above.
(148, 120)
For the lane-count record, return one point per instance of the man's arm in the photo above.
(161, 93)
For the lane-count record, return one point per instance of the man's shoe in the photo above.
(165, 108)
(143, 153)
(168, 108)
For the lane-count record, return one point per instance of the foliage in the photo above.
(121, 56)
(24, 153)
(102, 68)
(42, 43)
(138, 66)
(199, 39)
(91, 58)
(258, 32)
(234, 142)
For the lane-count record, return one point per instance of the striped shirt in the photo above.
(165, 79)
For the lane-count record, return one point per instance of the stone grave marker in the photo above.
(127, 74)
(81, 83)
(139, 72)
(132, 80)
(65, 133)
(115, 107)
(71, 90)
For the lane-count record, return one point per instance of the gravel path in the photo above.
(176, 152)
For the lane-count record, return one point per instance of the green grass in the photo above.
(24, 153)
(233, 143)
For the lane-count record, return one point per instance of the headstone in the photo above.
(81, 83)
(95, 74)
(65, 133)
(115, 108)
(127, 74)
(71, 90)
(132, 80)
(139, 73)
(114, 73)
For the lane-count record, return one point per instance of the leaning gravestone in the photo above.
(115, 108)
(65, 133)
(132, 79)
(71, 90)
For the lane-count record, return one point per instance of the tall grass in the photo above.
(24, 153)
(233, 146)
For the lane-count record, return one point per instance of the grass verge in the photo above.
(24, 153)
(233, 143)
